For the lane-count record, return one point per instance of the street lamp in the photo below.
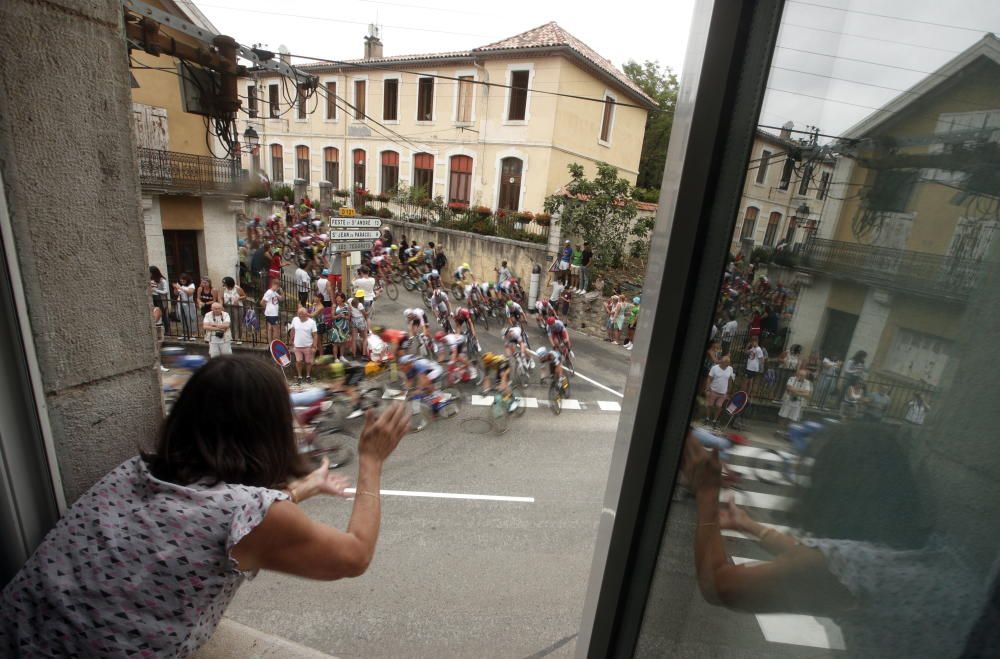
(252, 139)
(802, 212)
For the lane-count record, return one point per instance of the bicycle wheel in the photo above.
(568, 364)
(420, 415)
(337, 447)
(427, 300)
(391, 289)
(483, 317)
(458, 291)
(784, 475)
(408, 283)
(555, 398)
(499, 417)
(519, 392)
(396, 276)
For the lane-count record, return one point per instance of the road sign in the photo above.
(355, 234)
(355, 223)
(352, 246)
(279, 351)
(346, 211)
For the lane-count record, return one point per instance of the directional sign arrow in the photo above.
(353, 246)
(355, 223)
(355, 234)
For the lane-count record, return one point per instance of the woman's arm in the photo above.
(289, 541)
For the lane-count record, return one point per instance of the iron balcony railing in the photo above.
(934, 275)
(184, 171)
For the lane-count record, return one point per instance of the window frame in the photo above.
(382, 170)
(363, 107)
(252, 105)
(273, 101)
(753, 227)
(301, 105)
(787, 170)
(335, 180)
(331, 100)
(277, 173)
(763, 162)
(805, 180)
(522, 187)
(457, 100)
(772, 229)
(433, 83)
(354, 165)
(298, 163)
(511, 68)
(824, 185)
(399, 85)
(470, 174)
(413, 170)
(608, 94)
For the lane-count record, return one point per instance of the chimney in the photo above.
(284, 54)
(786, 130)
(373, 45)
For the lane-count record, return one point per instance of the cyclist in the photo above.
(514, 338)
(377, 248)
(558, 334)
(397, 340)
(414, 257)
(515, 313)
(543, 311)
(431, 280)
(554, 361)
(421, 374)
(440, 304)
(464, 317)
(346, 378)
(457, 346)
(503, 288)
(500, 365)
(417, 320)
(462, 271)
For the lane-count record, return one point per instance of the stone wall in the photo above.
(72, 185)
(482, 253)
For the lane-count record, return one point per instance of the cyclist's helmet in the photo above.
(462, 314)
(407, 359)
(550, 321)
(372, 369)
(465, 266)
(435, 274)
(490, 359)
(394, 248)
(439, 336)
(393, 335)
(542, 353)
(510, 303)
(635, 300)
(337, 369)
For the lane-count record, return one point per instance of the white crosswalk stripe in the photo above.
(530, 402)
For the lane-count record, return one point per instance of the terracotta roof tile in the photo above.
(551, 34)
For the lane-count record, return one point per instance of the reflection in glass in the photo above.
(855, 504)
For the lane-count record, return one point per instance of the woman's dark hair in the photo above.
(859, 356)
(340, 296)
(155, 274)
(228, 282)
(795, 349)
(231, 423)
(862, 487)
(185, 278)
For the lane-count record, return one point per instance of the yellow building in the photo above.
(428, 121)
(913, 211)
(190, 197)
(782, 197)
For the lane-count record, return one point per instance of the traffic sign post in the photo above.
(355, 234)
(352, 246)
(355, 223)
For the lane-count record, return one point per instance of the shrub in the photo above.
(543, 219)
(341, 193)
(761, 254)
(382, 197)
(786, 258)
(482, 210)
(279, 192)
(368, 210)
(384, 213)
(526, 216)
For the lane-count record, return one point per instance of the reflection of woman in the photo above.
(867, 561)
(160, 288)
(850, 406)
(232, 301)
(184, 290)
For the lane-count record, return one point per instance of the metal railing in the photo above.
(185, 171)
(896, 269)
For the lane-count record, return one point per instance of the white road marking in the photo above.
(530, 403)
(597, 384)
(736, 534)
(483, 401)
(571, 404)
(450, 495)
(756, 499)
(609, 406)
(758, 453)
(794, 629)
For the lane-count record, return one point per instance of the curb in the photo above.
(233, 640)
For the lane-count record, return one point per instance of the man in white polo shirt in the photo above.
(719, 379)
(304, 342)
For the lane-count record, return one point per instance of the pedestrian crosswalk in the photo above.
(760, 491)
(529, 402)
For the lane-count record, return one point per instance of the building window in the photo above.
(331, 100)
(765, 160)
(460, 183)
(300, 103)
(390, 171)
(277, 164)
(918, 356)
(272, 100)
(359, 169)
(517, 108)
(425, 99)
(510, 183)
(302, 162)
(790, 232)
(609, 114)
(786, 173)
(749, 223)
(252, 101)
(390, 99)
(331, 165)
(824, 185)
(807, 175)
(464, 110)
(772, 229)
(423, 174)
(360, 91)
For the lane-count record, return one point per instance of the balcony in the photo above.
(917, 273)
(185, 172)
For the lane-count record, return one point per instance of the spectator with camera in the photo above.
(217, 331)
(798, 389)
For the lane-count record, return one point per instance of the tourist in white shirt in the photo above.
(272, 308)
(303, 283)
(305, 337)
(365, 283)
(323, 289)
(755, 363)
(217, 331)
(798, 389)
(720, 377)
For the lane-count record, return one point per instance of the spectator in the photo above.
(727, 333)
(791, 358)
(248, 519)
(917, 409)
(302, 283)
(232, 300)
(624, 308)
(323, 289)
(631, 321)
(365, 283)
(387, 236)
(586, 257)
(274, 270)
(574, 269)
(217, 333)
(440, 260)
(272, 309)
(359, 324)
(876, 404)
(503, 273)
(403, 245)
(304, 340)
(829, 369)
(611, 309)
(259, 262)
(720, 377)
(713, 355)
(159, 287)
(158, 324)
(336, 279)
(798, 389)
(565, 256)
(206, 295)
(850, 404)
(341, 326)
(565, 300)
(854, 369)
(184, 290)
(755, 363)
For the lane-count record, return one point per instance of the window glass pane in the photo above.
(465, 90)
(252, 101)
(331, 100)
(518, 95)
(390, 100)
(425, 99)
(359, 99)
(609, 108)
(855, 506)
(272, 96)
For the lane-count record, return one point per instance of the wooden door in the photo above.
(510, 183)
(182, 254)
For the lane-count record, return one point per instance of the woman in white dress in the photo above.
(798, 389)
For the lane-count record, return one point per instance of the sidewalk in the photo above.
(233, 640)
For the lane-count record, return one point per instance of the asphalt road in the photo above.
(464, 577)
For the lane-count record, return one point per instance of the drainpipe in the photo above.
(483, 120)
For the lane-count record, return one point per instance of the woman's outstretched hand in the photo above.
(382, 433)
(735, 518)
(321, 481)
(702, 468)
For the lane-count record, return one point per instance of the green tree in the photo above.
(601, 211)
(660, 83)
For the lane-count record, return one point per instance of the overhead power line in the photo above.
(966, 28)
